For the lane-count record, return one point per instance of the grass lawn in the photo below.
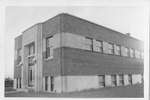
(135, 91)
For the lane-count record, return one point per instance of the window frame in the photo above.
(133, 55)
(107, 50)
(114, 81)
(121, 80)
(116, 45)
(100, 47)
(91, 45)
(130, 79)
(137, 54)
(30, 47)
(48, 48)
(101, 83)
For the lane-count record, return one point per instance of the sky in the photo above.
(125, 19)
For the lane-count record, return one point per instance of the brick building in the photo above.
(67, 53)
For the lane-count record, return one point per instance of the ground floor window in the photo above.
(46, 83)
(52, 83)
(17, 83)
(101, 80)
(130, 79)
(121, 80)
(113, 80)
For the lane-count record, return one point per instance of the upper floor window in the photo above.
(137, 54)
(31, 48)
(131, 53)
(97, 46)
(89, 43)
(142, 55)
(18, 56)
(108, 48)
(49, 47)
(124, 51)
(117, 50)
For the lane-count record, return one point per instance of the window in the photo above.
(142, 55)
(117, 50)
(131, 53)
(137, 54)
(20, 82)
(89, 43)
(97, 46)
(18, 56)
(52, 83)
(31, 48)
(17, 83)
(31, 60)
(124, 51)
(113, 80)
(49, 47)
(101, 80)
(121, 80)
(108, 48)
(46, 83)
(130, 79)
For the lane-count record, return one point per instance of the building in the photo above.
(67, 54)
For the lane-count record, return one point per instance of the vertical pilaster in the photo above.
(39, 58)
(43, 83)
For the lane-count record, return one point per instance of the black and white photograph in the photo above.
(76, 51)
